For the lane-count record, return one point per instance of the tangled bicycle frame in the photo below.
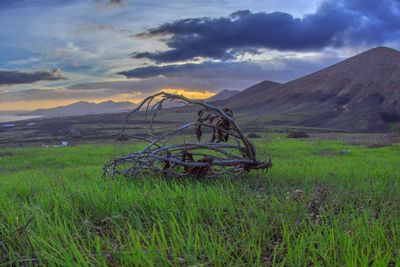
(209, 159)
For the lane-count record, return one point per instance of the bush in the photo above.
(253, 135)
(298, 135)
(397, 129)
(122, 137)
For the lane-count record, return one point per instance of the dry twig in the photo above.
(210, 158)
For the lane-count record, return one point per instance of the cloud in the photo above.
(91, 28)
(116, 3)
(16, 77)
(54, 94)
(207, 76)
(334, 24)
(279, 68)
(147, 86)
(205, 70)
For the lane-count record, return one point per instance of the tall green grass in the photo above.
(319, 205)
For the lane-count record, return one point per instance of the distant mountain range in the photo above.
(361, 93)
(83, 108)
(87, 108)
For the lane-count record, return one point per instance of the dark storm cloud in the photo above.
(16, 77)
(277, 69)
(380, 21)
(206, 70)
(334, 24)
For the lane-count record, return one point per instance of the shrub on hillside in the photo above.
(253, 135)
(298, 134)
(122, 137)
(397, 129)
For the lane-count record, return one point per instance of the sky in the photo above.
(56, 52)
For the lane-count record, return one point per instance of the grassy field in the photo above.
(324, 203)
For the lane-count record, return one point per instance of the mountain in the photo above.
(247, 98)
(225, 94)
(83, 108)
(361, 93)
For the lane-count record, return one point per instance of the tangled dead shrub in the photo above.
(220, 147)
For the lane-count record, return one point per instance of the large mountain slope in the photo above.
(225, 94)
(360, 93)
(248, 98)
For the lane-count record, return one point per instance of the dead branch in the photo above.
(210, 158)
(23, 228)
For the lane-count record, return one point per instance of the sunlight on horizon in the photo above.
(45, 104)
(189, 94)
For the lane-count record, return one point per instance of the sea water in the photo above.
(12, 117)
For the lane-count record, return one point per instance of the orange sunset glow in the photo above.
(189, 94)
(42, 104)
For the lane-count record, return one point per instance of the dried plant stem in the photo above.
(202, 159)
